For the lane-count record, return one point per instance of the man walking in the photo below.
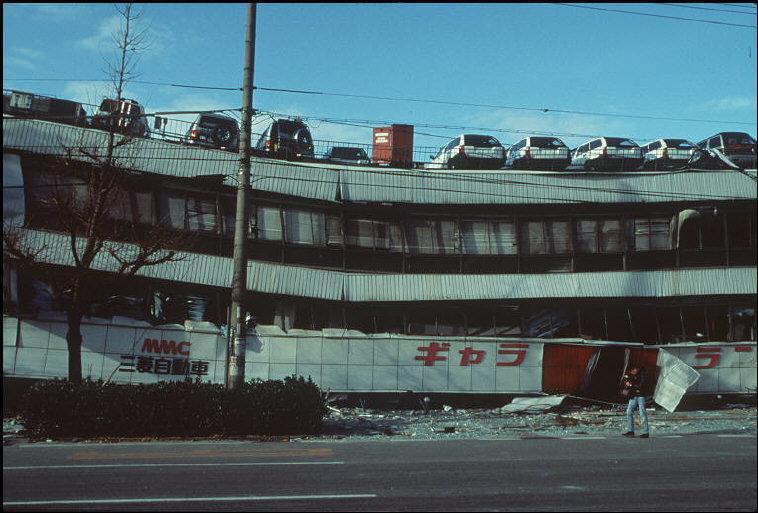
(633, 382)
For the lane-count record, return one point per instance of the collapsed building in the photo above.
(376, 279)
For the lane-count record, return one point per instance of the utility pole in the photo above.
(236, 365)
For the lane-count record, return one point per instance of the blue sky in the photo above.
(524, 55)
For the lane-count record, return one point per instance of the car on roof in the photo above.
(663, 154)
(214, 130)
(124, 116)
(347, 155)
(738, 147)
(469, 151)
(286, 139)
(21, 104)
(608, 154)
(538, 152)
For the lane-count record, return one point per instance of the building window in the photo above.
(651, 234)
(334, 230)
(545, 237)
(739, 230)
(743, 324)
(201, 214)
(269, 223)
(145, 204)
(359, 233)
(304, 227)
(481, 237)
(434, 237)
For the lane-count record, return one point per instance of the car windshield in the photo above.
(680, 144)
(289, 127)
(620, 143)
(547, 142)
(213, 122)
(349, 153)
(732, 138)
(480, 141)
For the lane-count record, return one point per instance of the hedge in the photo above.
(61, 409)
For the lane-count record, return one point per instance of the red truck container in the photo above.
(393, 145)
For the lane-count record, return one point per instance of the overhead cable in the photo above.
(658, 15)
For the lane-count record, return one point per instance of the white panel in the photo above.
(507, 379)
(56, 365)
(314, 371)
(258, 349)
(748, 378)
(334, 351)
(361, 352)
(35, 334)
(460, 377)
(309, 351)
(334, 377)
(729, 357)
(92, 364)
(708, 381)
(120, 340)
(143, 334)
(111, 363)
(283, 350)
(58, 332)
(144, 377)
(202, 345)
(530, 379)
(30, 361)
(255, 370)
(748, 358)
(385, 352)
(409, 377)
(408, 350)
(435, 377)
(359, 377)
(729, 380)
(483, 377)
(385, 377)
(454, 355)
(10, 328)
(9, 360)
(282, 370)
(93, 337)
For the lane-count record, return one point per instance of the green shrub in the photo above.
(58, 409)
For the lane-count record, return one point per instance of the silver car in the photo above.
(543, 153)
(663, 154)
(608, 154)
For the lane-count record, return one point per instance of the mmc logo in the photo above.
(153, 345)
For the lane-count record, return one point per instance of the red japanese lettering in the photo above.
(517, 350)
(743, 349)
(432, 349)
(468, 352)
(714, 353)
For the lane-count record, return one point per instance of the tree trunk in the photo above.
(74, 341)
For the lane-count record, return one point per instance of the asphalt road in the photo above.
(692, 473)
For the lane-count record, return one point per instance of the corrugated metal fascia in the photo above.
(294, 281)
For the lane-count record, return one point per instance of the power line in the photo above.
(708, 9)
(420, 100)
(657, 15)
(739, 5)
(495, 106)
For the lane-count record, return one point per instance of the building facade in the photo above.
(371, 278)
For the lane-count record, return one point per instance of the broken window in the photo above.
(327, 315)
(120, 205)
(508, 322)
(389, 320)
(10, 286)
(359, 233)
(618, 323)
(670, 324)
(592, 324)
(603, 235)
(645, 324)
(651, 234)
(422, 322)
(545, 237)
(611, 236)
(743, 324)
(334, 230)
(718, 323)
(480, 323)
(739, 230)
(694, 323)
(268, 223)
(586, 236)
(450, 322)
(305, 227)
(360, 317)
(388, 235)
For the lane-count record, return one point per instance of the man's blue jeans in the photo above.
(636, 401)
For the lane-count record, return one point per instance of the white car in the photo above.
(543, 153)
(666, 153)
(470, 151)
(608, 154)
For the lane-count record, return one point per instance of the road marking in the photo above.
(735, 436)
(204, 453)
(56, 467)
(584, 438)
(191, 499)
(670, 436)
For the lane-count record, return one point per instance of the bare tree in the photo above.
(84, 200)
